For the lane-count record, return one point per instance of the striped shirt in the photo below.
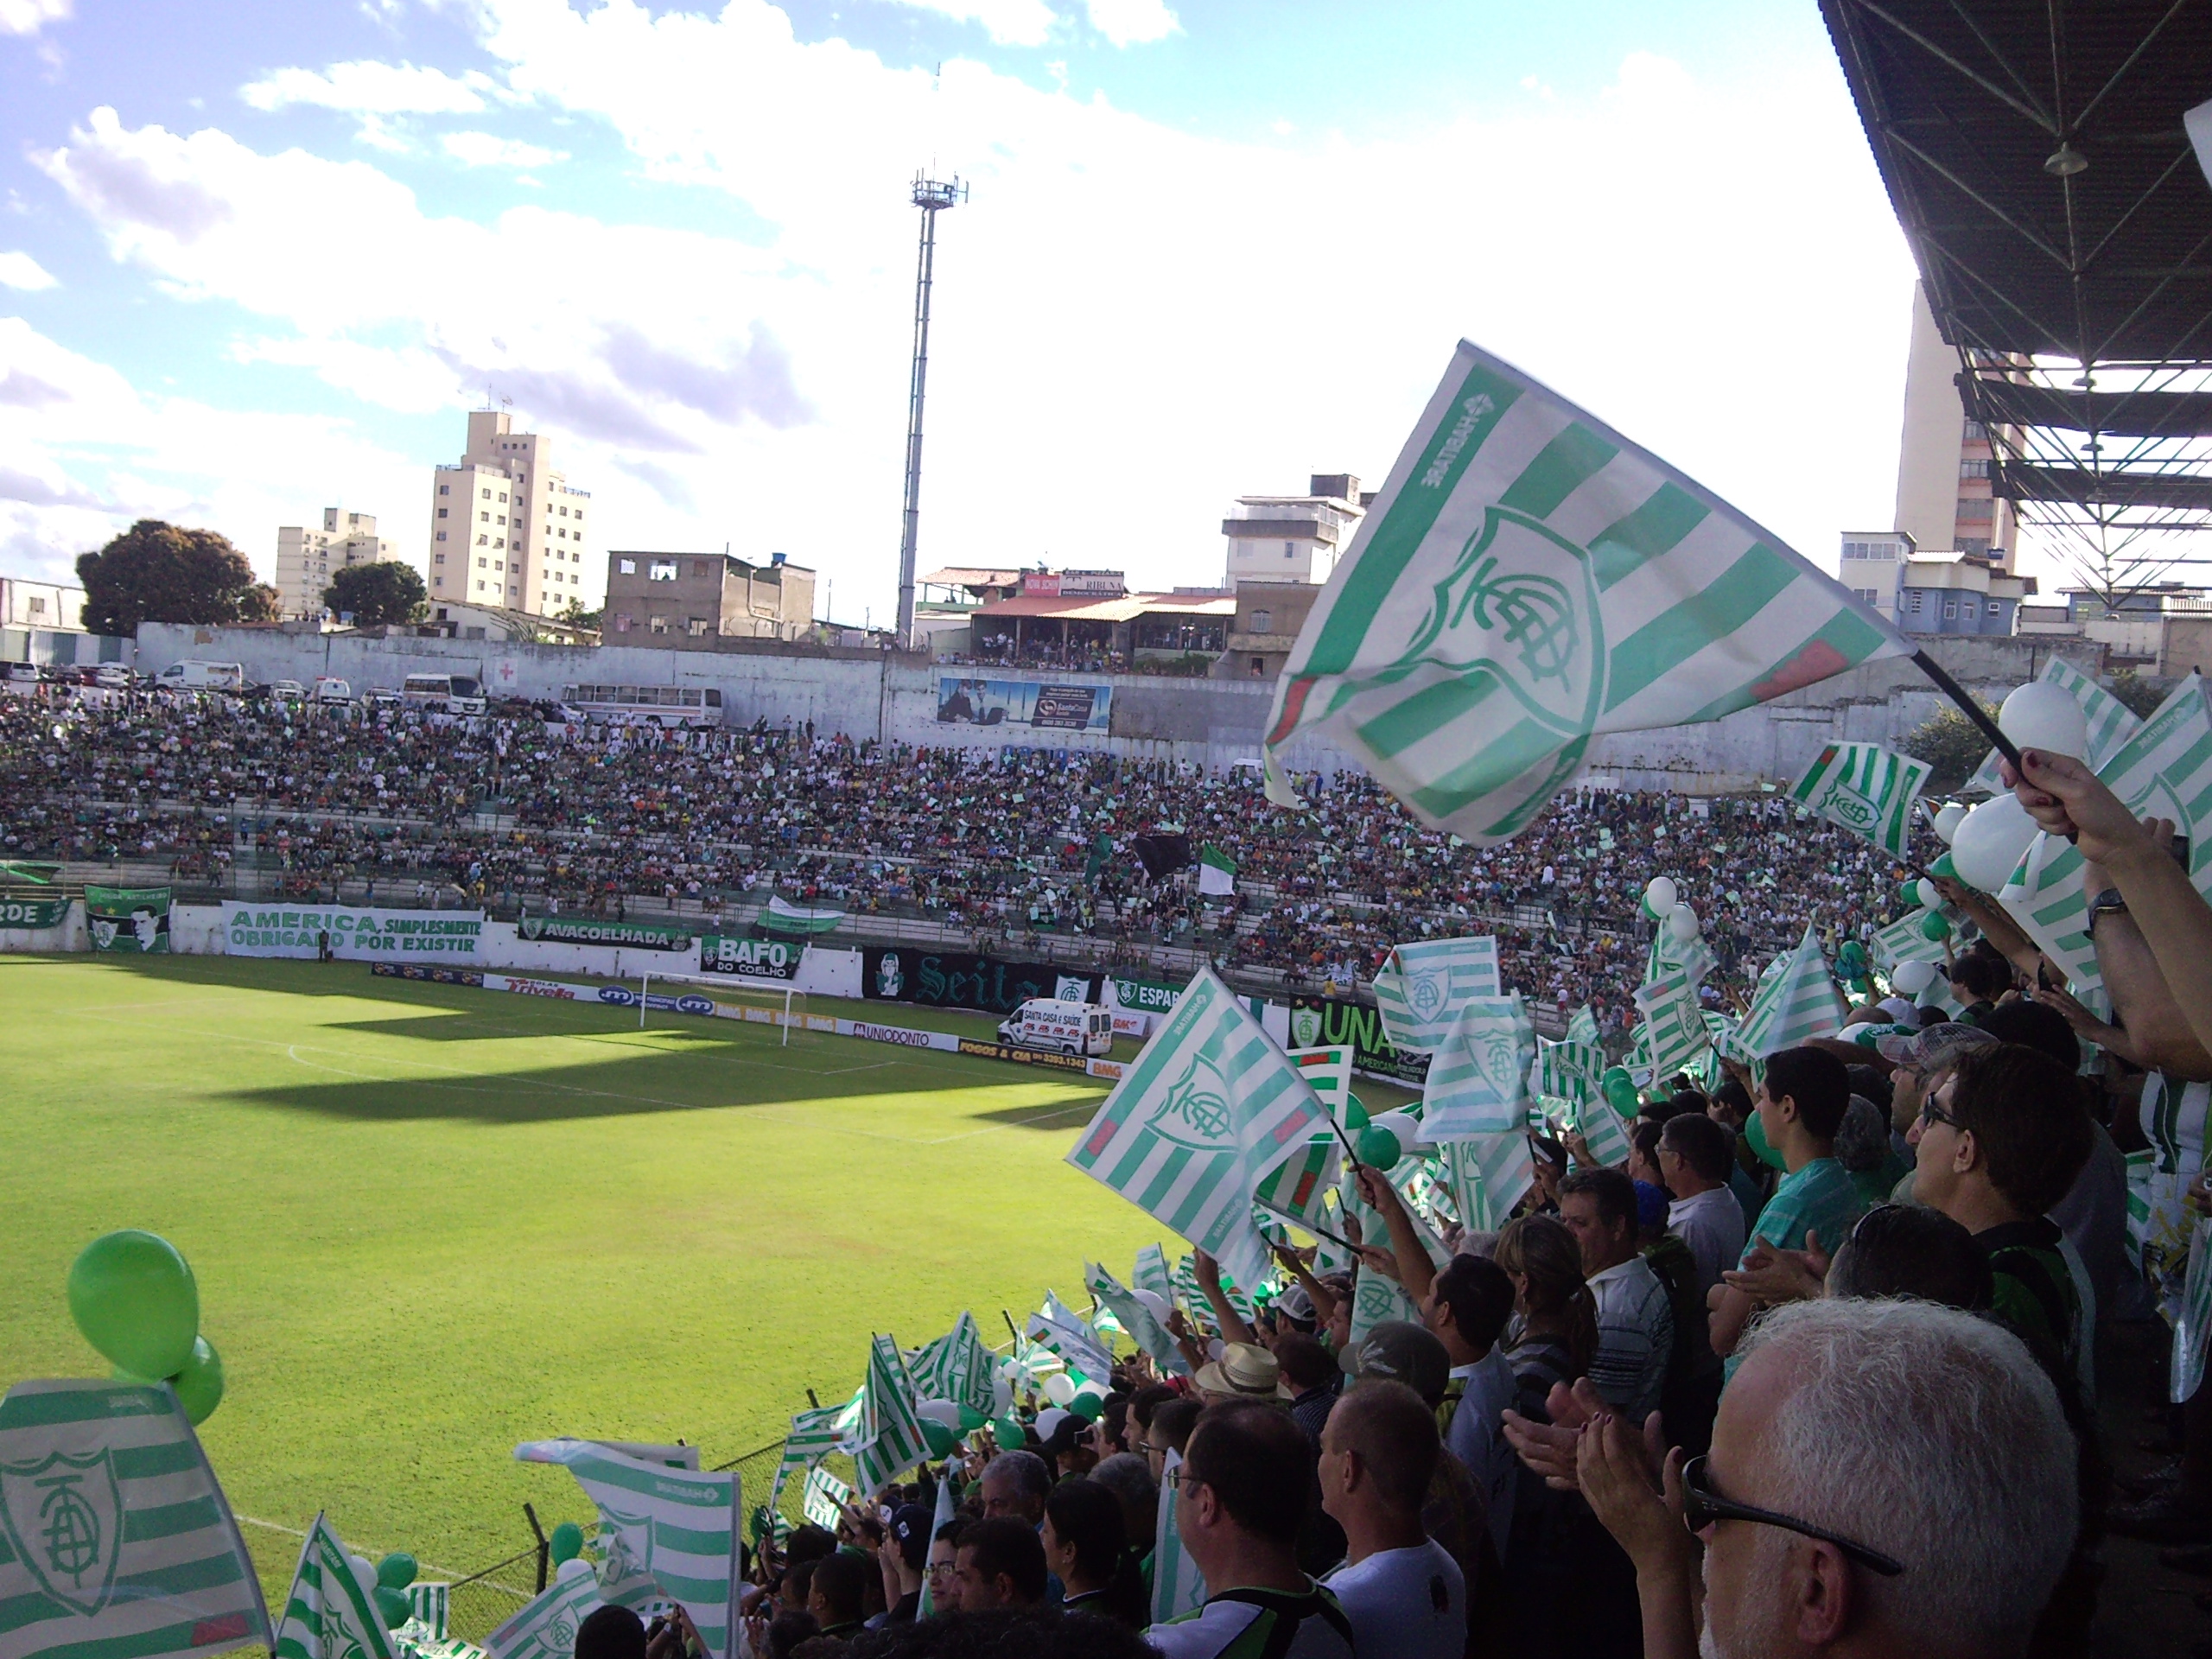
(1636, 1334)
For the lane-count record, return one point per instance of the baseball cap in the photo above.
(1295, 1305)
(1932, 1045)
(910, 1530)
(1405, 1352)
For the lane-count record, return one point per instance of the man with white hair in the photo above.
(1886, 1478)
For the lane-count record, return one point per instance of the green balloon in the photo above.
(939, 1438)
(1754, 1132)
(1909, 894)
(566, 1542)
(971, 1420)
(1356, 1113)
(135, 1300)
(1934, 928)
(1620, 1093)
(200, 1385)
(1089, 1407)
(1941, 869)
(397, 1571)
(394, 1605)
(1377, 1147)
(1008, 1431)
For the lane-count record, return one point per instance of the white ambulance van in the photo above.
(1059, 1027)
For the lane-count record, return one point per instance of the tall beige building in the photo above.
(1943, 494)
(308, 557)
(506, 530)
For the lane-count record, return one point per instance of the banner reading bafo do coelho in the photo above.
(354, 934)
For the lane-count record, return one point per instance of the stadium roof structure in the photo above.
(2036, 155)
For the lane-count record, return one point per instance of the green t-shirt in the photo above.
(1821, 1197)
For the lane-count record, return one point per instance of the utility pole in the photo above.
(932, 198)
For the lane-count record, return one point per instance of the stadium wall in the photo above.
(70, 934)
(868, 695)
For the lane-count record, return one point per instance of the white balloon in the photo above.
(2042, 715)
(1153, 1302)
(366, 1572)
(939, 1411)
(1681, 922)
(1930, 898)
(1091, 1385)
(574, 1567)
(1659, 893)
(1948, 818)
(1912, 978)
(1049, 1419)
(1990, 841)
(1059, 1388)
(1001, 1397)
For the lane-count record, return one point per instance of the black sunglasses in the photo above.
(1703, 1506)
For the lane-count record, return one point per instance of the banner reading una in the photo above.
(129, 921)
(355, 935)
(1324, 1021)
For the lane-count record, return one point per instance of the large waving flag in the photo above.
(115, 1539)
(1071, 1335)
(891, 1440)
(545, 1628)
(956, 1367)
(1568, 1070)
(1478, 1080)
(813, 1437)
(329, 1613)
(1486, 1177)
(1796, 1000)
(1200, 1117)
(1151, 1273)
(1142, 1324)
(662, 1532)
(1673, 1032)
(1420, 987)
(1866, 789)
(1530, 579)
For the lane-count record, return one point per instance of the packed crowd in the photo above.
(1012, 843)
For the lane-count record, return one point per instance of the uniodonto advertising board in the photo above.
(355, 935)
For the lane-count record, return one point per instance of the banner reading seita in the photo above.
(129, 921)
(354, 934)
(947, 979)
(777, 959)
(1324, 1021)
(33, 912)
(578, 930)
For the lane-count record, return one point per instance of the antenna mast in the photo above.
(932, 198)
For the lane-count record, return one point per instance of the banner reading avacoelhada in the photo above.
(119, 1540)
(129, 921)
(661, 1532)
(355, 934)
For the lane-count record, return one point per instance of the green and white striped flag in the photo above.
(1377, 1299)
(546, 1626)
(661, 1532)
(783, 917)
(1068, 1334)
(1217, 872)
(1198, 1121)
(1144, 1329)
(1604, 1129)
(1866, 789)
(1528, 579)
(2112, 723)
(330, 1613)
(1673, 1033)
(1796, 1001)
(2164, 770)
(2043, 895)
(892, 1441)
(1901, 941)
(1582, 1027)
(956, 1367)
(1487, 1176)
(824, 1498)
(1298, 1186)
(1478, 1078)
(1151, 1273)
(948, 1505)
(813, 1437)
(115, 1542)
(1327, 1071)
(1177, 1586)
(1568, 1070)
(1420, 987)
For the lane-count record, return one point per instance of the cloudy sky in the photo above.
(257, 260)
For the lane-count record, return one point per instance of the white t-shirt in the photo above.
(1712, 1223)
(1477, 1438)
(1405, 1603)
(1227, 1621)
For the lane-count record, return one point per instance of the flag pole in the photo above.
(1973, 710)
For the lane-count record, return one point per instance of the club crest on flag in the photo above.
(1426, 995)
(1845, 805)
(64, 1518)
(619, 1542)
(1305, 1028)
(1501, 600)
(1196, 1112)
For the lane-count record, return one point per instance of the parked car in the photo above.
(25, 675)
(289, 690)
(114, 676)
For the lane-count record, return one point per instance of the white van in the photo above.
(1061, 1027)
(327, 690)
(193, 675)
(457, 694)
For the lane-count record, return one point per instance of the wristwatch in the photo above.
(2109, 899)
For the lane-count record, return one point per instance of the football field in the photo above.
(430, 1222)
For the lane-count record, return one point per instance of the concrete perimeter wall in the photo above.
(868, 695)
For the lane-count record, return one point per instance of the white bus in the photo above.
(457, 694)
(655, 705)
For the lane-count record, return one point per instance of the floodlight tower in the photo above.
(932, 198)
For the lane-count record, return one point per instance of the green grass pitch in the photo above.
(430, 1222)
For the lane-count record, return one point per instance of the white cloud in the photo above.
(487, 150)
(370, 88)
(1008, 22)
(28, 17)
(20, 271)
(1132, 22)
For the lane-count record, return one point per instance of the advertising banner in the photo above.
(128, 921)
(1145, 995)
(945, 979)
(1023, 702)
(435, 975)
(33, 912)
(1026, 1056)
(1324, 1021)
(355, 935)
(579, 930)
(777, 959)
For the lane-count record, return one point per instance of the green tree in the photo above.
(381, 591)
(2141, 697)
(1950, 743)
(154, 572)
(577, 617)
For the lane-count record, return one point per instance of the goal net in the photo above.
(779, 1008)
